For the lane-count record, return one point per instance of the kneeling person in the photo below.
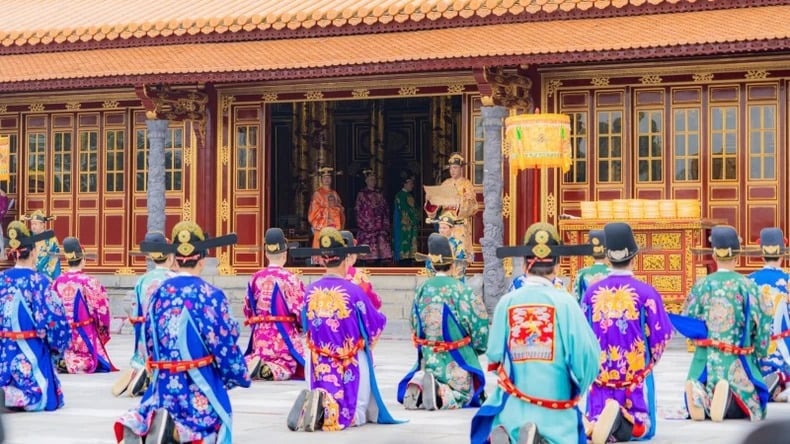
(273, 308)
(543, 350)
(450, 329)
(342, 325)
(629, 319)
(192, 352)
(88, 310)
(33, 327)
(729, 321)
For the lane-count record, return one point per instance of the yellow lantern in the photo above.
(539, 140)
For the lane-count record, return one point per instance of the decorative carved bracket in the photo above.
(162, 102)
(505, 87)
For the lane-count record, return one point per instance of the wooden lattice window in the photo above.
(13, 143)
(89, 155)
(650, 137)
(479, 152)
(141, 158)
(578, 172)
(610, 146)
(61, 161)
(687, 141)
(174, 149)
(115, 143)
(762, 142)
(724, 143)
(247, 149)
(37, 162)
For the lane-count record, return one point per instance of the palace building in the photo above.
(669, 99)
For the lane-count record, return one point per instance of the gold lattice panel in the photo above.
(641, 277)
(653, 262)
(667, 283)
(675, 262)
(641, 239)
(671, 241)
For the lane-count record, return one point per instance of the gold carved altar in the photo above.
(665, 260)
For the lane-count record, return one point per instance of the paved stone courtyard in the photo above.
(260, 411)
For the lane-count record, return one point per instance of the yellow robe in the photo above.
(467, 208)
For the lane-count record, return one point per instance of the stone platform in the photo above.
(260, 411)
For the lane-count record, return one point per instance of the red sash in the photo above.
(507, 385)
(19, 335)
(269, 318)
(75, 325)
(180, 366)
(724, 347)
(441, 346)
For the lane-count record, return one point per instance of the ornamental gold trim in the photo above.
(186, 211)
(756, 74)
(314, 95)
(224, 154)
(702, 77)
(507, 206)
(224, 267)
(110, 104)
(667, 283)
(224, 211)
(651, 79)
(360, 93)
(505, 148)
(227, 101)
(187, 149)
(507, 264)
(456, 88)
(551, 205)
(36, 107)
(599, 81)
(3, 109)
(269, 97)
(73, 106)
(553, 86)
(423, 272)
(408, 91)
(125, 271)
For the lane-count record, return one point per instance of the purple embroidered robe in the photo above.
(342, 325)
(373, 221)
(628, 317)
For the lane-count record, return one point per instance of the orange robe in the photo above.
(326, 210)
(467, 208)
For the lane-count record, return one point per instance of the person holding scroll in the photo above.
(463, 207)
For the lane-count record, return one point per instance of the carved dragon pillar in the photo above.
(503, 92)
(162, 105)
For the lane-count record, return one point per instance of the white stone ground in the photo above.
(259, 412)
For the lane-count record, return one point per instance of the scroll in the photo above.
(443, 195)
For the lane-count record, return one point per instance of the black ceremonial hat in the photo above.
(772, 242)
(330, 244)
(542, 243)
(440, 252)
(72, 250)
(189, 241)
(598, 242)
(20, 237)
(274, 241)
(620, 242)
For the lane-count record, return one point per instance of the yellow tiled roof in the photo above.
(58, 21)
(520, 39)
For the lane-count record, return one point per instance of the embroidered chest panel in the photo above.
(532, 333)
